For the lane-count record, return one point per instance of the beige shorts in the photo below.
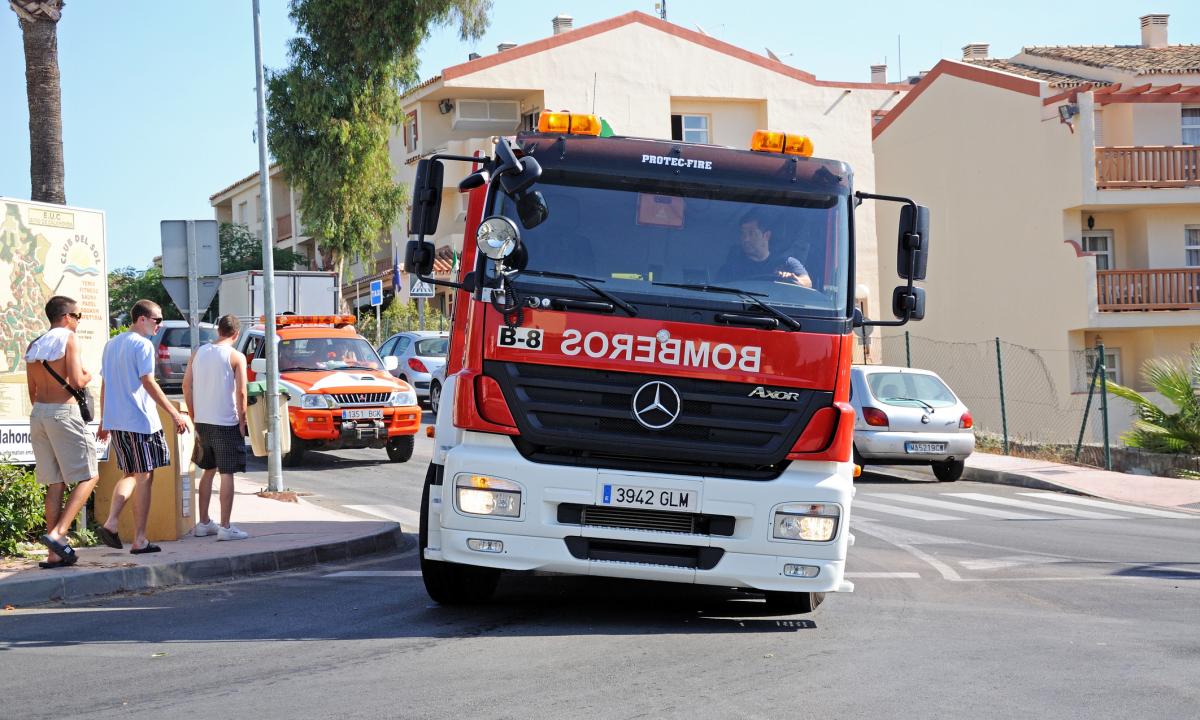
(63, 447)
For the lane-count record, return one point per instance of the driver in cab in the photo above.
(753, 259)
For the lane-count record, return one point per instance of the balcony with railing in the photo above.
(1160, 289)
(283, 227)
(1163, 166)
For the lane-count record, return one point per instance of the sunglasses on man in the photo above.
(76, 315)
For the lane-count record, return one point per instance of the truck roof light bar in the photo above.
(787, 143)
(566, 123)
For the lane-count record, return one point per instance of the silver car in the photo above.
(907, 416)
(173, 348)
(419, 353)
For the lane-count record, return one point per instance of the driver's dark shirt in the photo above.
(741, 267)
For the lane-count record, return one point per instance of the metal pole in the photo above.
(907, 351)
(1104, 406)
(193, 313)
(377, 326)
(1087, 408)
(274, 460)
(421, 313)
(1003, 412)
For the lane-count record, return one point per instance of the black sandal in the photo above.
(147, 548)
(109, 538)
(65, 552)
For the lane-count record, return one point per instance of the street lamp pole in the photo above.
(274, 460)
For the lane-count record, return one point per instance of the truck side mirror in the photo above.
(520, 178)
(418, 256)
(427, 198)
(908, 303)
(914, 235)
(258, 366)
(532, 209)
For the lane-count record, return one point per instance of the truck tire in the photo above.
(949, 470)
(400, 449)
(295, 456)
(451, 583)
(794, 603)
(435, 396)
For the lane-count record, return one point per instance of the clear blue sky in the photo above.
(158, 97)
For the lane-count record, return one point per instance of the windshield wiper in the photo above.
(750, 297)
(919, 401)
(302, 368)
(587, 283)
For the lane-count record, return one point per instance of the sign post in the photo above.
(420, 290)
(377, 301)
(191, 257)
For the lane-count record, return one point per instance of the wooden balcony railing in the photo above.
(1148, 167)
(283, 227)
(1172, 289)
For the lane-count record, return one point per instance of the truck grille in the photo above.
(577, 416)
(366, 398)
(641, 519)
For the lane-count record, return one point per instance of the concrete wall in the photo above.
(1157, 124)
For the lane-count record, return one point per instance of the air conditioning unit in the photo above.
(490, 116)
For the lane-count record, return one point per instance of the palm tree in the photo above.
(39, 30)
(1156, 429)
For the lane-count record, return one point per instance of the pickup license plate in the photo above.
(650, 498)
(371, 414)
(918, 448)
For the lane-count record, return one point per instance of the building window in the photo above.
(410, 132)
(1085, 366)
(1191, 126)
(690, 128)
(529, 121)
(1191, 245)
(1100, 244)
(241, 216)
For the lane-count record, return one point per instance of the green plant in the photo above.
(242, 250)
(22, 507)
(1156, 429)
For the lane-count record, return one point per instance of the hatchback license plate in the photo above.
(650, 498)
(924, 447)
(373, 414)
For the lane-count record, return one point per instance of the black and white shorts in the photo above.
(221, 447)
(138, 452)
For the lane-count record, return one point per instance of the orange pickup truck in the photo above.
(341, 394)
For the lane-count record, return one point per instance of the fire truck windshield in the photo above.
(789, 249)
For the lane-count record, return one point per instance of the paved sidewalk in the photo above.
(283, 536)
(1123, 487)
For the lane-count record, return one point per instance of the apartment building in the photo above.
(241, 203)
(1064, 184)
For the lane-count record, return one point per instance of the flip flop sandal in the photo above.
(109, 538)
(65, 552)
(55, 564)
(148, 548)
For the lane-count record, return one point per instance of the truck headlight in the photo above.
(403, 397)
(316, 402)
(808, 522)
(484, 495)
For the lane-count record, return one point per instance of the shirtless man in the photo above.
(63, 447)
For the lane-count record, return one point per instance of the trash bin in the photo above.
(256, 419)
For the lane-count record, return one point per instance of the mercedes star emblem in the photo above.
(656, 405)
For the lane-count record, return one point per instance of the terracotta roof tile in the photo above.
(1174, 59)
(1055, 79)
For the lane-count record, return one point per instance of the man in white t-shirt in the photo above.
(128, 416)
(214, 388)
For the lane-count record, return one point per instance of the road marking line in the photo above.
(407, 518)
(1110, 505)
(960, 507)
(374, 573)
(947, 572)
(903, 511)
(1040, 507)
(1007, 562)
(884, 575)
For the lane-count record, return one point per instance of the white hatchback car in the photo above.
(907, 416)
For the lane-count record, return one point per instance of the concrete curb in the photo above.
(39, 590)
(1003, 477)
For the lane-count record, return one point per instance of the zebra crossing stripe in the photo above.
(1040, 507)
(902, 511)
(408, 519)
(957, 507)
(373, 573)
(1089, 502)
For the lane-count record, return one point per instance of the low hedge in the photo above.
(22, 507)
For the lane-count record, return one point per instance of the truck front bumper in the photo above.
(327, 429)
(550, 536)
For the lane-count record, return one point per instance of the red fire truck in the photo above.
(649, 368)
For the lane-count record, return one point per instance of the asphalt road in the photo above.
(972, 600)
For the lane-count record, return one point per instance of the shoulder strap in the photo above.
(59, 378)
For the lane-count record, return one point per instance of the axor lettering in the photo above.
(648, 349)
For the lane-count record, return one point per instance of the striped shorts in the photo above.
(139, 452)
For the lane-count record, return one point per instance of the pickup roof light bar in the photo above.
(334, 320)
(568, 123)
(789, 144)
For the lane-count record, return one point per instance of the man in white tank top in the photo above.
(214, 387)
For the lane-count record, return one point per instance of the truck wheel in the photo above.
(451, 583)
(435, 396)
(794, 603)
(949, 470)
(295, 456)
(400, 449)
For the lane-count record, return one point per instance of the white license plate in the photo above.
(924, 447)
(650, 498)
(372, 414)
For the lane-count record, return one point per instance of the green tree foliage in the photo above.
(1156, 429)
(397, 317)
(22, 502)
(332, 110)
(242, 250)
(127, 285)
